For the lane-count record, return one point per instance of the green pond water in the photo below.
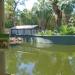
(41, 59)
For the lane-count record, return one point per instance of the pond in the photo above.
(41, 59)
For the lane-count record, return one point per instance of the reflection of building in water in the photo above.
(15, 40)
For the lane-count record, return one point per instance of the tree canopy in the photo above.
(48, 14)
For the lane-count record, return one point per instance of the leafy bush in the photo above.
(63, 30)
(71, 30)
(8, 24)
(45, 33)
(67, 30)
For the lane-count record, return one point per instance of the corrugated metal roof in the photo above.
(24, 27)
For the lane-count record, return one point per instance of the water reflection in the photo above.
(22, 67)
(30, 60)
(25, 69)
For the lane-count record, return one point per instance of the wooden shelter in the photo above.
(24, 30)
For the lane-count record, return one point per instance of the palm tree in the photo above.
(58, 12)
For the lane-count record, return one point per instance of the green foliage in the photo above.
(55, 1)
(42, 13)
(45, 33)
(63, 29)
(12, 11)
(4, 37)
(67, 30)
(68, 8)
(8, 24)
(71, 30)
(28, 17)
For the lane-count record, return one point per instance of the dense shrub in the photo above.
(8, 24)
(46, 33)
(63, 30)
(71, 30)
(67, 30)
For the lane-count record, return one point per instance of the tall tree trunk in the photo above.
(58, 13)
(67, 16)
(2, 54)
(42, 24)
(1, 16)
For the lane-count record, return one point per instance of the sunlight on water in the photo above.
(46, 60)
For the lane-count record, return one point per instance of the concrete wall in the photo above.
(66, 39)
